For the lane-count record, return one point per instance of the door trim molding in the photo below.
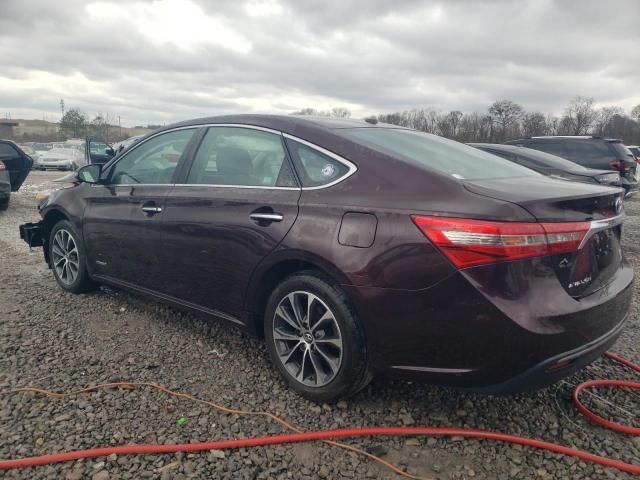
(165, 298)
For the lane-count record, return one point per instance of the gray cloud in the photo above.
(202, 58)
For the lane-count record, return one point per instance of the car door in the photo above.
(18, 164)
(236, 203)
(122, 217)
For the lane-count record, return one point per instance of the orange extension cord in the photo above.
(327, 435)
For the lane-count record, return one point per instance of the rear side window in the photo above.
(314, 167)
(242, 157)
(7, 150)
(622, 151)
(587, 151)
(436, 153)
(554, 148)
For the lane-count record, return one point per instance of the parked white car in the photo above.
(29, 150)
(61, 157)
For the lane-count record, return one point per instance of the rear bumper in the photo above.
(493, 329)
(555, 368)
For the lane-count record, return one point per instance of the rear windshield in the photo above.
(437, 153)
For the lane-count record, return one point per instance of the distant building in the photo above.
(6, 128)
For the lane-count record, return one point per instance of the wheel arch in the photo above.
(269, 274)
(50, 218)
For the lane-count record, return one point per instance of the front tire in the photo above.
(4, 203)
(68, 258)
(314, 338)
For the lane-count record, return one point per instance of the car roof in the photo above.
(285, 123)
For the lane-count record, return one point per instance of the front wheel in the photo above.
(4, 203)
(68, 258)
(314, 338)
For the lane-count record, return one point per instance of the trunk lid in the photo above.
(599, 256)
(551, 200)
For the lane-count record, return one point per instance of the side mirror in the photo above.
(89, 173)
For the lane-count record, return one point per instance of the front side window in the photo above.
(314, 167)
(236, 156)
(154, 161)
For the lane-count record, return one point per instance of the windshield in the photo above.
(437, 153)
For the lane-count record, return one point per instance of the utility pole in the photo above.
(120, 127)
(62, 106)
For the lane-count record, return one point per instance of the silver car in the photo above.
(61, 158)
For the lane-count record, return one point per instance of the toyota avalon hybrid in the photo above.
(354, 248)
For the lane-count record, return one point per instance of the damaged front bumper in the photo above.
(32, 234)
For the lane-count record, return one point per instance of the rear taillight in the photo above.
(478, 242)
(620, 165)
(2, 166)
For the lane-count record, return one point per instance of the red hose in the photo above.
(320, 435)
(370, 431)
(607, 383)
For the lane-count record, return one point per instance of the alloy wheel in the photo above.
(66, 260)
(307, 338)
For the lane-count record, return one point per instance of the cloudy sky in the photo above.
(158, 61)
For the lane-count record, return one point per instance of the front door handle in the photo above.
(151, 208)
(266, 217)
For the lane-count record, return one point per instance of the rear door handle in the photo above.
(266, 217)
(152, 209)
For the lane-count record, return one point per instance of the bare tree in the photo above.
(311, 111)
(102, 128)
(74, 122)
(507, 120)
(340, 112)
(506, 114)
(455, 116)
(533, 124)
(604, 117)
(553, 125)
(580, 115)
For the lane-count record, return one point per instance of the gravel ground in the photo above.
(59, 341)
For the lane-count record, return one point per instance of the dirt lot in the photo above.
(59, 341)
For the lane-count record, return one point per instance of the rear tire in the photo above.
(4, 203)
(314, 338)
(68, 258)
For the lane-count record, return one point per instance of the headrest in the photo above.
(233, 161)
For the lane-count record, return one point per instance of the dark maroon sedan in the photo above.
(355, 248)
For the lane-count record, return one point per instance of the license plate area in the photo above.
(31, 233)
(592, 267)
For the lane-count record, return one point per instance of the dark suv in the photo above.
(590, 152)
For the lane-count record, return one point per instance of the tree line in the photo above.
(76, 124)
(508, 120)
